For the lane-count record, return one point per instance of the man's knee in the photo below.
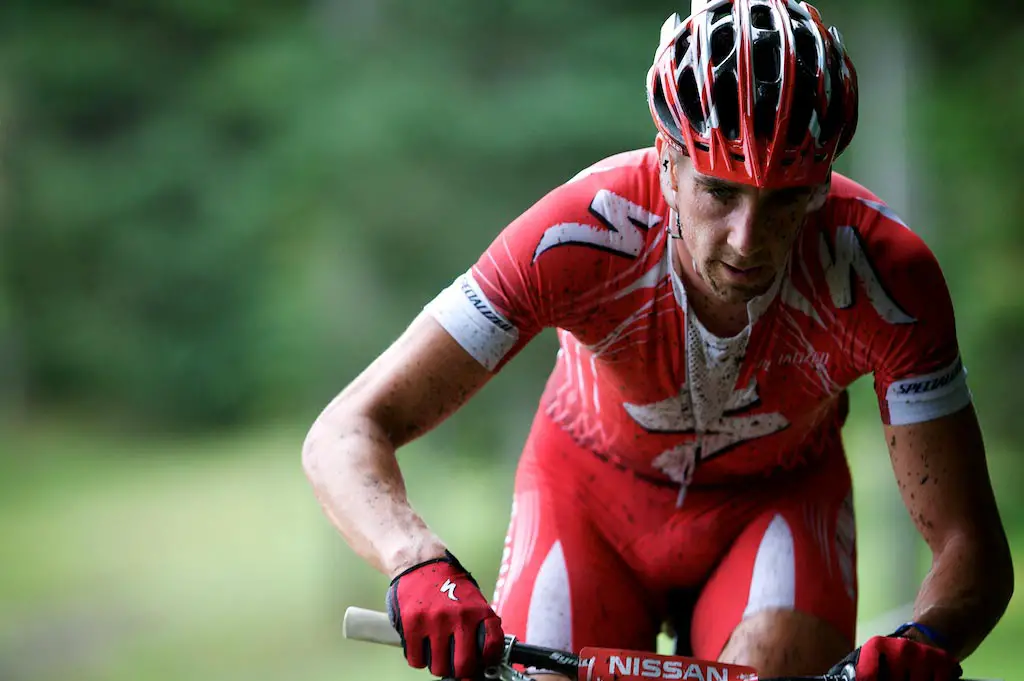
(785, 642)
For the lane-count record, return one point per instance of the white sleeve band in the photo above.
(923, 398)
(464, 311)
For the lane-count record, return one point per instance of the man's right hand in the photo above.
(444, 620)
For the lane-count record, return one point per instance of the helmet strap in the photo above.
(819, 196)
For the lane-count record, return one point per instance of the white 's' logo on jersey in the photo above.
(624, 224)
(675, 415)
(850, 258)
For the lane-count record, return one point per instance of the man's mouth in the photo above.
(744, 272)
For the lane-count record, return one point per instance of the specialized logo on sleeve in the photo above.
(448, 588)
(482, 306)
(922, 387)
(922, 398)
(464, 311)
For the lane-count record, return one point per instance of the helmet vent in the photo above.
(765, 109)
(761, 17)
(690, 99)
(661, 106)
(834, 113)
(767, 59)
(800, 113)
(682, 46)
(727, 105)
(806, 48)
(805, 86)
(723, 43)
(767, 82)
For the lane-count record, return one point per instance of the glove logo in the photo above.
(448, 588)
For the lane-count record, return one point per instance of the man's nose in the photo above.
(745, 238)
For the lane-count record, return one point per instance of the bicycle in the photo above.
(591, 664)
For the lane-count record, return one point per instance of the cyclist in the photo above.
(713, 295)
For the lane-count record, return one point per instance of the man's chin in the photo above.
(739, 293)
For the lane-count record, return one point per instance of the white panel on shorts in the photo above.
(464, 311)
(922, 398)
(519, 544)
(549, 620)
(773, 584)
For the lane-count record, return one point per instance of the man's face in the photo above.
(738, 236)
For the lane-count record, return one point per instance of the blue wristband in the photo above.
(933, 635)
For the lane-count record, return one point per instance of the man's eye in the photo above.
(721, 193)
(790, 197)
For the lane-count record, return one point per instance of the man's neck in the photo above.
(721, 318)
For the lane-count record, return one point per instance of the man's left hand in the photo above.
(892, 658)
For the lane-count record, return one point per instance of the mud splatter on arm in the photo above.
(349, 454)
(942, 475)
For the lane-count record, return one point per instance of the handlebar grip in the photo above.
(371, 626)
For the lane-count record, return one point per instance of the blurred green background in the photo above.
(214, 213)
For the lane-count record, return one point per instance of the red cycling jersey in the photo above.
(634, 378)
(595, 550)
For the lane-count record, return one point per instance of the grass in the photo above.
(194, 559)
(124, 558)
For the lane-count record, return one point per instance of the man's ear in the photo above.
(666, 171)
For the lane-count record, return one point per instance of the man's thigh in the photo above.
(784, 597)
(560, 584)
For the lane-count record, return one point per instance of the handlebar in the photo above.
(372, 626)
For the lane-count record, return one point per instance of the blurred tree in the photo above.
(217, 212)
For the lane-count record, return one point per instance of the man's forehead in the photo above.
(712, 181)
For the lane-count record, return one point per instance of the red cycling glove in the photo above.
(444, 620)
(891, 658)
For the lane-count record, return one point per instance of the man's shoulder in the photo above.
(850, 200)
(857, 242)
(596, 233)
(854, 210)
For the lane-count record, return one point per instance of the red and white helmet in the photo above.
(758, 92)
